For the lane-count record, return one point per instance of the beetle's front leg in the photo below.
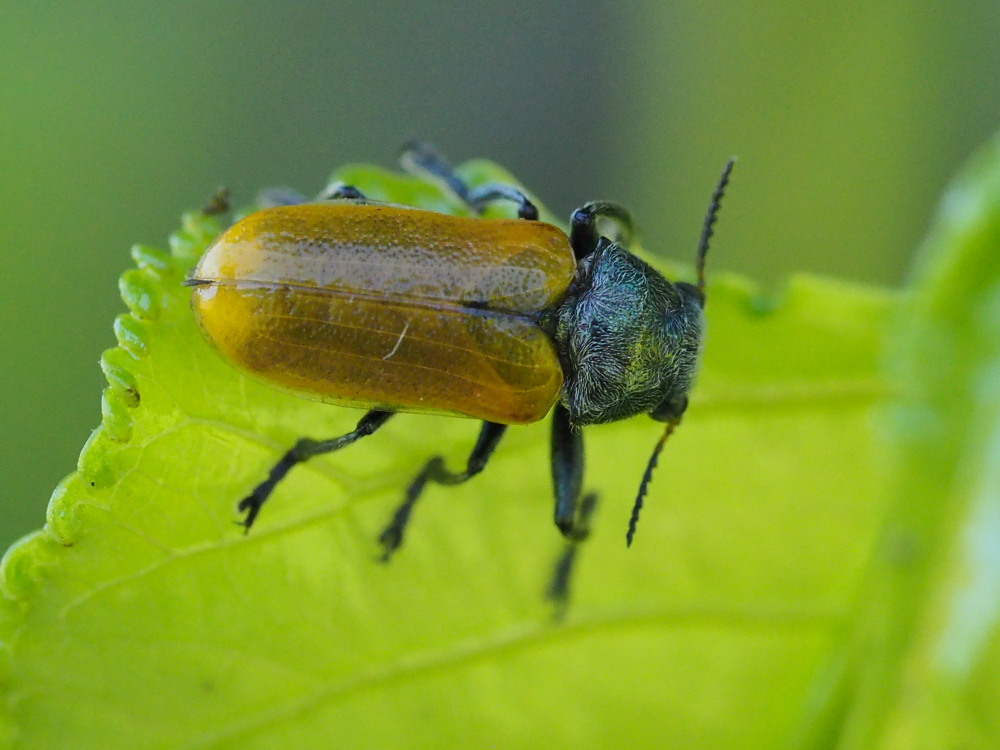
(585, 232)
(573, 519)
(558, 589)
(567, 468)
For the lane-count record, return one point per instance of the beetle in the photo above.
(391, 308)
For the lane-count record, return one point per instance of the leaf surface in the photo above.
(745, 614)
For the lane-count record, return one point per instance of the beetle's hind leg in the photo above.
(420, 159)
(434, 471)
(339, 191)
(303, 450)
(279, 196)
(285, 196)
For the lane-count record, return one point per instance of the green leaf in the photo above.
(928, 642)
(755, 609)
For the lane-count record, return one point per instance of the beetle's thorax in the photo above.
(628, 339)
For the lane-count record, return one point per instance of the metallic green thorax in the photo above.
(629, 339)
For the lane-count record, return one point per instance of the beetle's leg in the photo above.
(584, 233)
(279, 196)
(572, 519)
(567, 468)
(285, 196)
(559, 585)
(435, 471)
(303, 450)
(339, 191)
(481, 197)
(420, 159)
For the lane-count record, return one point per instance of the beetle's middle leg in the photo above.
(303, 450)
(434, 471)
(420, 159)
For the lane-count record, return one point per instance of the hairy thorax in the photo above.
(628, 339)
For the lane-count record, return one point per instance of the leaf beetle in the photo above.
(391, 308)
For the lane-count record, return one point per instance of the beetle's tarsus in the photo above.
(558, 589)
(251, 506)
(390, 540)
(566, 527)
(391, 537)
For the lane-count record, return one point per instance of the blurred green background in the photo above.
(114, 117)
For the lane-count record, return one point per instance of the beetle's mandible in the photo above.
(392, 308)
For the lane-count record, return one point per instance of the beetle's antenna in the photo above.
(634, 520)
(710, 217)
